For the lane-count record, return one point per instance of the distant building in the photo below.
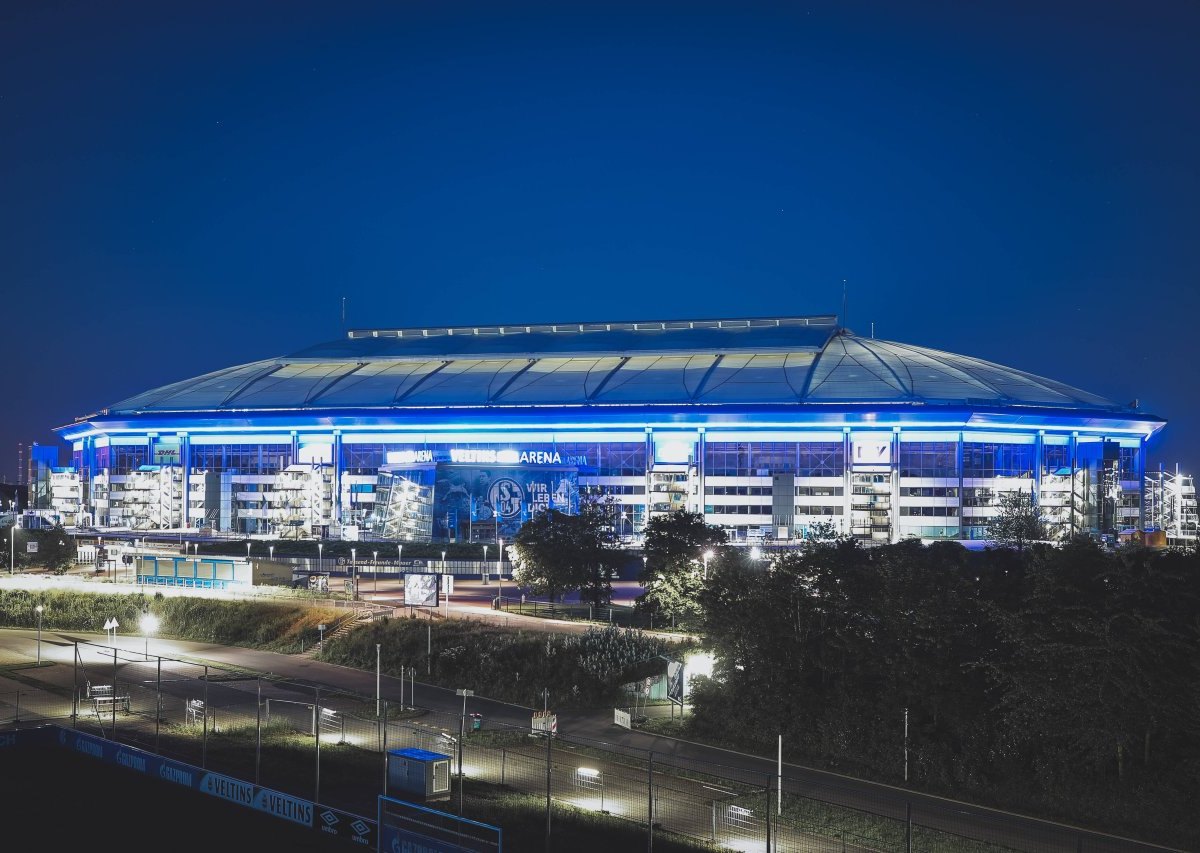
(42, 460)
(1171, 506)
(766, 426)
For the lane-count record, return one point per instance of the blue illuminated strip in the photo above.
(406, 422)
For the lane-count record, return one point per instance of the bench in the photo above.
(103, 699)
(106, 704)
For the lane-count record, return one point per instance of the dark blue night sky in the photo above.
(188, 186)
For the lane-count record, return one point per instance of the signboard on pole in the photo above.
(621, 718)
(31, 547)
(545, 722)
(675, 681)
(421, 589)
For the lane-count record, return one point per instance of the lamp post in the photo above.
(354, 574)
(707, 556)
(149, 624)
(320, 556)
(38, 609)
(247, 549)
(375, 569)
(483, 571)
(442, 579)
(271, 551)
(500, 572)
(321, 628)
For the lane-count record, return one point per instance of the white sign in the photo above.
(409, 457)
(485, 456)
(31, 547)
(545, 721)
(621, 718)
(111, 624)
(874, 451)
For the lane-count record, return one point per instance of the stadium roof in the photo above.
(776, 361)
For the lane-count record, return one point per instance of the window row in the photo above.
(946, 511)
(737, 490)
(738, 509)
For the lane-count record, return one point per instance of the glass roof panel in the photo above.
(464, 383)
(933, 378)
(660, 379)
(557, 380)
(847, 371)
(757, 378)
(375, 384)
(289, 385)
(207, 391)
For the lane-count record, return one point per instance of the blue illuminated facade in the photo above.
(767, 426)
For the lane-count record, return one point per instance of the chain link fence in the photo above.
(329, 746)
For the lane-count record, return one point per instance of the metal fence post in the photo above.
(158, 705)
(204, 742)
(385, 750)
(75, 685)
(114, 692)
(650, 803)
(768, 813)
(549, 759)
(317, 729)
(257, 730)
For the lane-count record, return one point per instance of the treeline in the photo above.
(1063, 681)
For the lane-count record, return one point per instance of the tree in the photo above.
(1018, 521)
(56, 549)
(673, 574)
(554, 552)
(823, 532)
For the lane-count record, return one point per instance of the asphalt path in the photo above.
(596, 727)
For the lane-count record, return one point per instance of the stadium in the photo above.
(771, 427)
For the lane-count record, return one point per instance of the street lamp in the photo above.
(38, 609)
(707, 556)
(500, 572)
(375, 568)
(483, 574)
(271, 551)
(321, 628)
(755, 553)
(149, 623)
(320, 556)
(247, 549)
(442, 579)
(354, 573)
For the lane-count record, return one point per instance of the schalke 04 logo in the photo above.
(505, 495)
